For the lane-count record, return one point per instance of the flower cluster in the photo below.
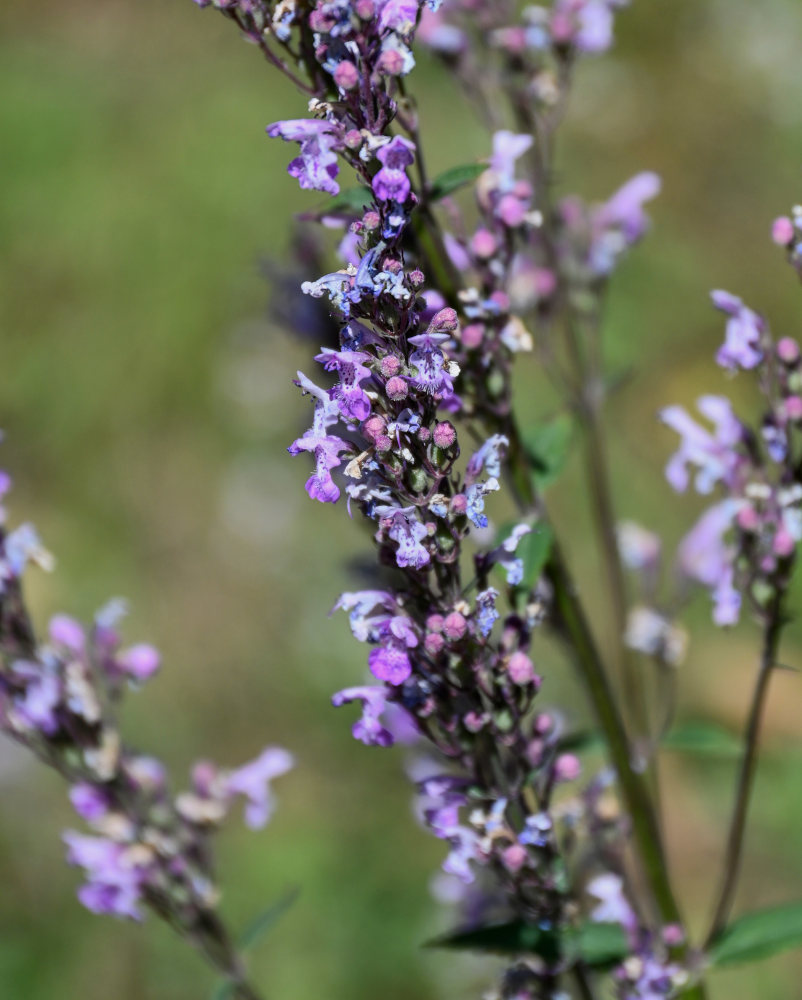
(60, 698)
(744, 544)
(430, 319)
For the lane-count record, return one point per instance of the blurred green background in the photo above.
(147, 402)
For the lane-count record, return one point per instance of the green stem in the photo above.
(746, 773)
(574, 629)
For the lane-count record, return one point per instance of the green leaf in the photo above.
(759, 935)
(547, 447)
(534, 550)
(352, 200)
(599, 945)
(515, 937)
(702, 737)
(452, 180)
(596, 945)
(257, 929)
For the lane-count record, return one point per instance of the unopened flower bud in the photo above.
(444, 321)
(433, 643)
(390, 365)
(346, 76)
(567, 767)
(454, 626)
(788, 350)
(782, 231)
(520, 669)
(396, 388)
(444, 435)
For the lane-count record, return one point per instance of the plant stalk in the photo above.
(747, 770)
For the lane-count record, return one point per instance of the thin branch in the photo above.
(746, 772)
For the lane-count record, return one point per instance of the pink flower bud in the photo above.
(396, 388)
(520, 669)
(567, 767)
(454, 626)
(459, 504)
(793, 408)
(390, 365)
(784, 543)
(434, 643)
(514, 858)
(444, 321)
(434, 623)
(371, 220)
(373, 427)
(782, 231)
(511, 211)
(788, 350)
(444, 435)
(483, 243)
(391, 62)
(748, 519)
(346, 76)
(472, 335)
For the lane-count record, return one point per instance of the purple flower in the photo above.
(429, 363)
(705, 556)
(325, 447)
(139, 662)
(368, 729)
(352, 400)
(507, 149)
(587, 24)
(390, 663)
(624, 210)
(505, 556)
(399, 15)
(67, 632)
(613, 906)
(741, 347)
(405, 529)
(487, 459)
(475, 496)
(391, 182)
(486, 613)
(316, 167)
(714, 455)
(38, 706)
(253, 782)
(364, 626)
(89, 801)
(115, 874)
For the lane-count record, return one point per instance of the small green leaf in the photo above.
(534, 550)
(599, 945)
(702, 737)
(352, 200)
(759, 935)
(224, 990)
(515, 937)
(596, 945)
(257, 929)
(547, 447)
(452, 180)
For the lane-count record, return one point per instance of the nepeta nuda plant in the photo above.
(414, 430)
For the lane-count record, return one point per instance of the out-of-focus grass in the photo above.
(139, 194)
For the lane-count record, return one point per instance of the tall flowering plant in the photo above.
(414, 430)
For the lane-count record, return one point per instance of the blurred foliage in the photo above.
(148, 403)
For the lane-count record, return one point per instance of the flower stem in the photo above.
(574, 629)
(747, 770)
